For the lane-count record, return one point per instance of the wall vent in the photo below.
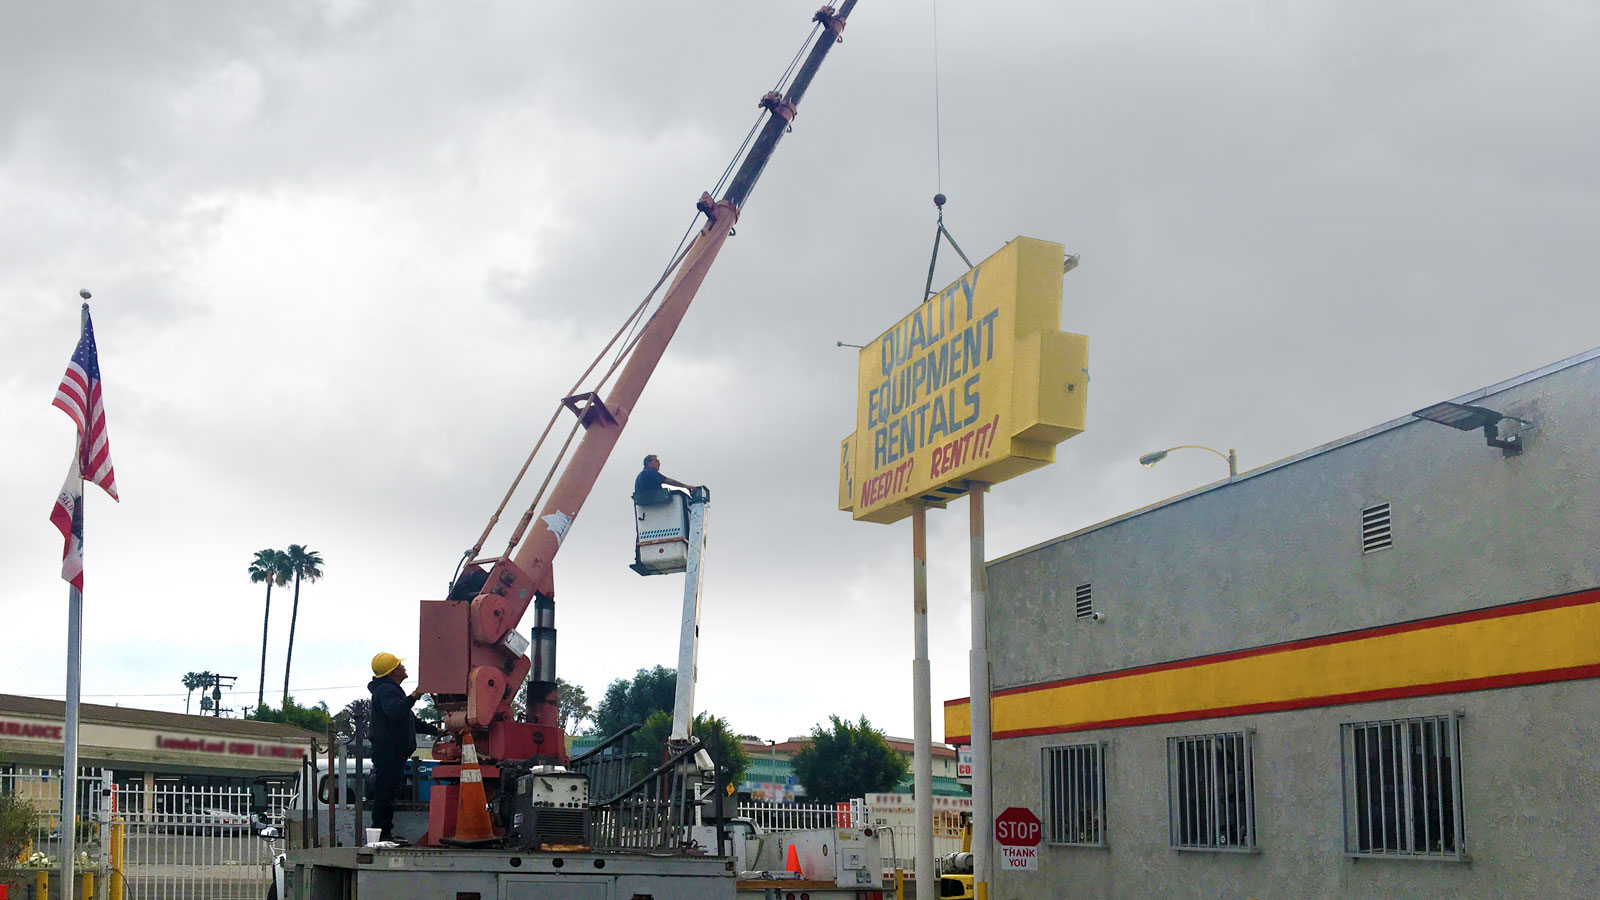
(1083, 602)
(1375, 531)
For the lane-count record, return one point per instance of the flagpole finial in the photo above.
(84, 293)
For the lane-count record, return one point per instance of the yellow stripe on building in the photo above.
(1543, 643)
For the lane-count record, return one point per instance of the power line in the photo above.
(310, 690)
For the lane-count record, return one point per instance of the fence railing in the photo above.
(655, 811)
(897, 843)
(609, 766)
(40, 788)
(170, 841)
(802, 816)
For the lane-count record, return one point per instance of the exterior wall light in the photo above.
(1150, 459)
(1462, 417)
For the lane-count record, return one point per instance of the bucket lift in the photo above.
(671, 537)
(663, 531)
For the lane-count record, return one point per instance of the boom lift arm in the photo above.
(472, 658)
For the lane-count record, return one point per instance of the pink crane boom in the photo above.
(472, 658)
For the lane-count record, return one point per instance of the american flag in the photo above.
(79, 397)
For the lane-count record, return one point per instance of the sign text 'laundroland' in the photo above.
(231, 748)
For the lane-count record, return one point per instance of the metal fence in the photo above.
(801, 816)
(897, 845)
(897, 833)
(160, 841)
(40, 788)
(197, 843)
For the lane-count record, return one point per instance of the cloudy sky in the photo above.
(346, 256)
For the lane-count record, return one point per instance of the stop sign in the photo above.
(1018, 827)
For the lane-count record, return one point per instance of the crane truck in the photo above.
(588, 828)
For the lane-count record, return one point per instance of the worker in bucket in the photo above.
(649, 487)
(394, 736)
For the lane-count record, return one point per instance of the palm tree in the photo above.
(271, 566)
(305, 564)
(192, 680)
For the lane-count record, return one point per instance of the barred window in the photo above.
(1211, 785)
(1075, 794)
(1402, 785)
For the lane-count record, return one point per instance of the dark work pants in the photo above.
(386, 775)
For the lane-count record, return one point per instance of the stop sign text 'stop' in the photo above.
(1018, 827)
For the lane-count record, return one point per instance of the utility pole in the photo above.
(213, 703)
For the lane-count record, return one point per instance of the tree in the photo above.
(724, 746)
(357, 710)
(18, 821)
(192, 681)
(306, 564)
(311, 718)
(271, 566)
(629, 702)
(847, 761)
(572, 704)
(426, 711)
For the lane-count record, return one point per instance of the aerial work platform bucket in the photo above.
(662, 531)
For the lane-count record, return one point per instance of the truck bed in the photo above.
(413, 873)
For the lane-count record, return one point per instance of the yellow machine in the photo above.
(955, 876)
(954, 883)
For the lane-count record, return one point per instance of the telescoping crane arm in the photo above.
(471, 656)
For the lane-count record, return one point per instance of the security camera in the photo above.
(1098, 617)
(84, 293)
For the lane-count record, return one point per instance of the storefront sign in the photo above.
(39, 731)
(978, 383)
(231, 748)
(964, 764)
(890, 804)
(99, 739)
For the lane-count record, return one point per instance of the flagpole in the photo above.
(69, 744)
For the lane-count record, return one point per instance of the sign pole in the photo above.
(982, 800)
(69, 734)
(922, 696)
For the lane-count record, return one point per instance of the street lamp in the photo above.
(773, 744)
(1471, 418)
(1150, 459)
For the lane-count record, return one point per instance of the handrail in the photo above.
(604, 745)
(655, 812)
(662, 769)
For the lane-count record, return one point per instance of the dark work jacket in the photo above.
(394, 726)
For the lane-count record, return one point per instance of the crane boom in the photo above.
(472, 657)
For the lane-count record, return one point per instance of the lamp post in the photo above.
(1150, 459)
(772, 743)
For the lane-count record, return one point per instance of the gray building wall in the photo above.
(1276, 556)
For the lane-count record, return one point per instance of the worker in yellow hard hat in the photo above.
(393, 734)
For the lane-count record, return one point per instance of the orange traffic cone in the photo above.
(793, 864)
(472, 815)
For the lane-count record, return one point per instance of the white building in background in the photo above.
(142, 748)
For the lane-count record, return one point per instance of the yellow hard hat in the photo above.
(384, 663)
